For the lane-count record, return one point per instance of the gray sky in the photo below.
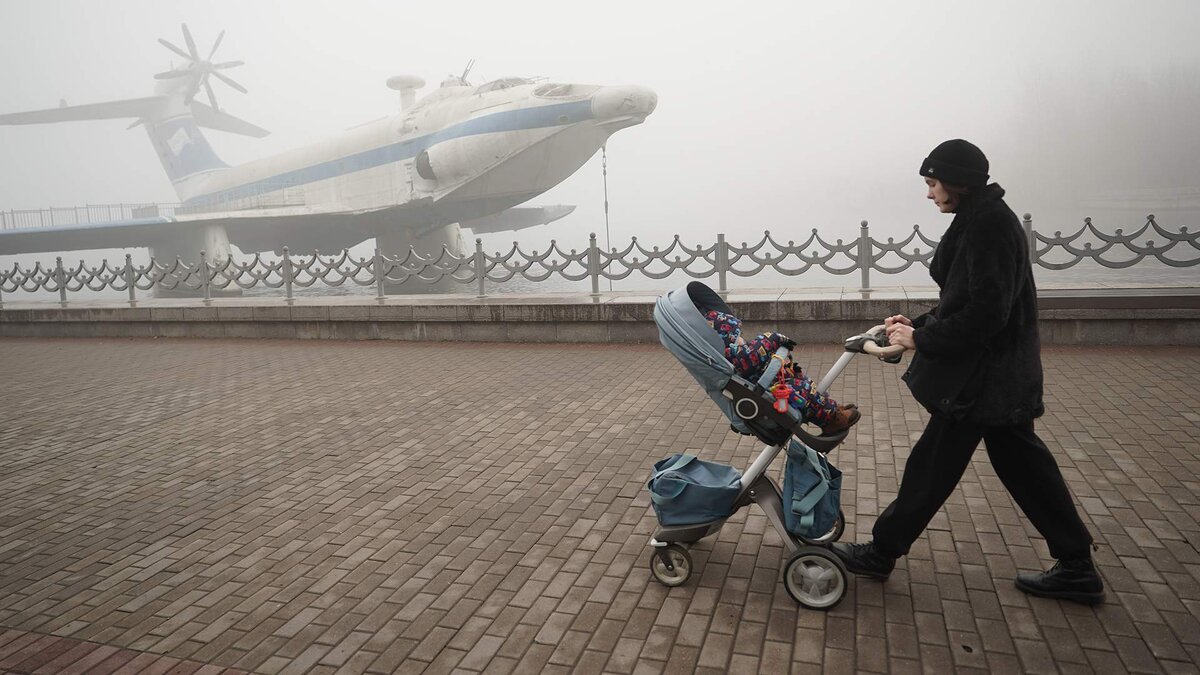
(783, 115)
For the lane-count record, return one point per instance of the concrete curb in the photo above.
(1108, 319)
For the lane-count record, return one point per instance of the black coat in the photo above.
(978, 356)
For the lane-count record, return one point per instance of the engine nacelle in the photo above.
(458, 159)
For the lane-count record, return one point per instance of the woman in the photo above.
(977, 370)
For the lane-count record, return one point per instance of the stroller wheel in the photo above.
(835, 533)
(680, 562)
(815, 577)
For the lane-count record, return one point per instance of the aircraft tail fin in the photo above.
(182, 148)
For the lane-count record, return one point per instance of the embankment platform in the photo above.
(1096, 314)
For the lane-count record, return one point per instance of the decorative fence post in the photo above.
(593, 264)
(61, 276)
(864, 255)
(1027, 222)
(480, 266)
(204, 281)
(722, 265)
(130, 280)
(287, 276)
(380, 275)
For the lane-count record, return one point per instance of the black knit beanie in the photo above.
(957, 162)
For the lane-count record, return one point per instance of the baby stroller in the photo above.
(813, 576)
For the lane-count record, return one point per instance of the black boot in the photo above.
(865, 559)
(1075, 580)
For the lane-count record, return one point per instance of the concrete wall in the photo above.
(808, 321)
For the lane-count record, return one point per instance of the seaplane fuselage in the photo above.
(461, 153)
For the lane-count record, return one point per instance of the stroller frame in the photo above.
(814, 576)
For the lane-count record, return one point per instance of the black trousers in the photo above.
(1022, 462)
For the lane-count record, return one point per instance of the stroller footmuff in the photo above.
(806, 514)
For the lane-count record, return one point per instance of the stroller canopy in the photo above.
(685, 332)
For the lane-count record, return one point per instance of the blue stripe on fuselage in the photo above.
(509, 120)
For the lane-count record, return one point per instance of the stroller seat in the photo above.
(753, 405)
(750, 406)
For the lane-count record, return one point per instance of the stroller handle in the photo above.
(875, 343)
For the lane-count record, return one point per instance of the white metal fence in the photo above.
(721, 259)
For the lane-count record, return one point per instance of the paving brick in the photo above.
(775, 656)
(219, 501)
(31, 655)
(1036, 657)
(936, 659)
(871, 653)
(1135, 655)
(535, 659)
(716, 651)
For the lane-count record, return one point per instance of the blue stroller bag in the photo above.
(812, 492)
(685, 490)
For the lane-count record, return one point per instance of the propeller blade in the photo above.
(229, 82)
(227, 64)
(212, 98)
(170, 74)
(216, 44)
(187, 35)
(175, 49)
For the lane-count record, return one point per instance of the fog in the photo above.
(783, 116)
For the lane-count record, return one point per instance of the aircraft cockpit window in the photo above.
(551, 90)
(503, 83)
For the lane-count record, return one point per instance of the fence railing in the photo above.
(275, 195)
(88, 214)
(720, 259)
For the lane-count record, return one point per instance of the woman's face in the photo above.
(943, 198)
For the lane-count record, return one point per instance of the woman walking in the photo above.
(977, 370)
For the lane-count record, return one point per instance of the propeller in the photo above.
(200, 69)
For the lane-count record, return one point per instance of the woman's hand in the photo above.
(899, 318)
(899, 333)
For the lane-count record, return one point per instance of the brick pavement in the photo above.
(297, 507)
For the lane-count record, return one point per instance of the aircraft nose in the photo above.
(624, 101)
